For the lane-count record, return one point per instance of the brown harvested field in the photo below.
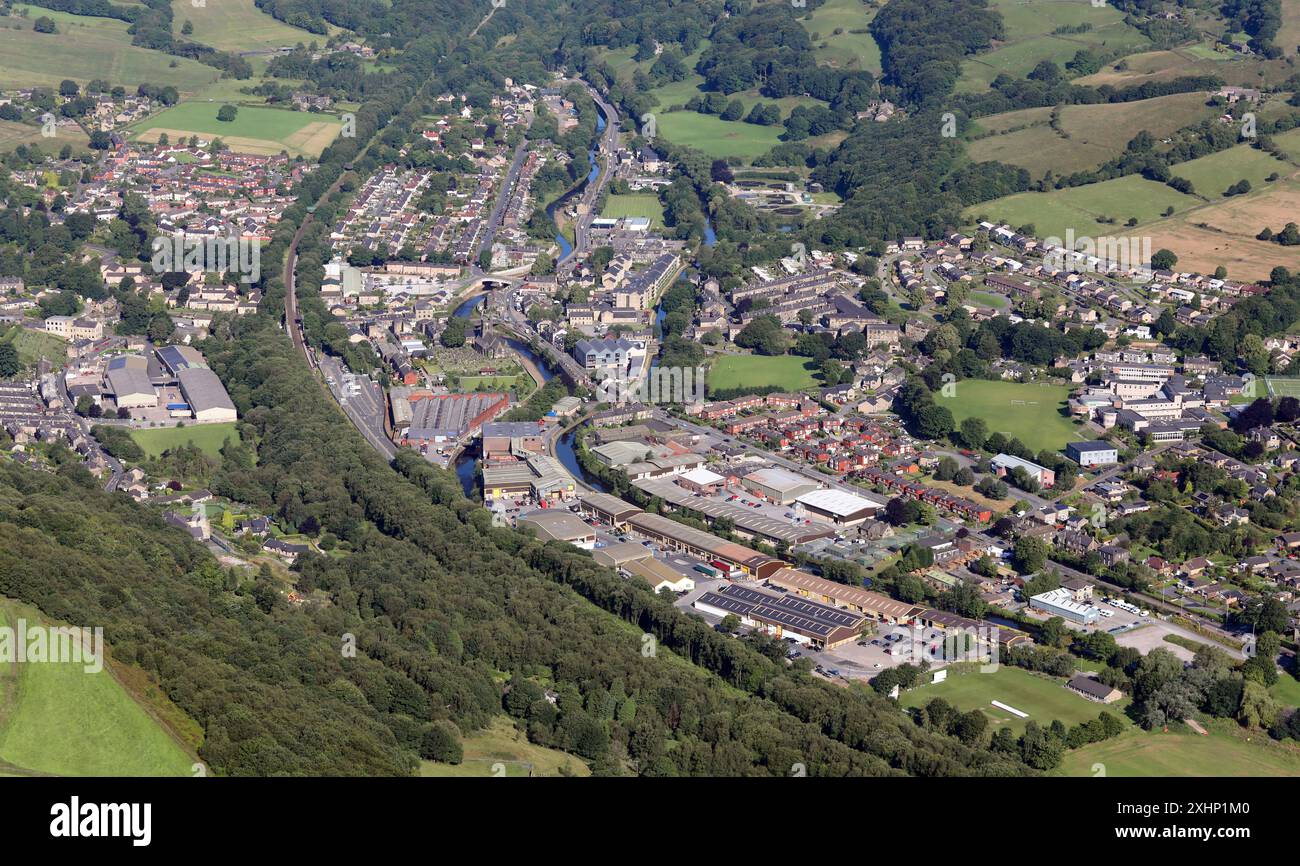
(310, 140)
(1096, 133)
(1224, 234)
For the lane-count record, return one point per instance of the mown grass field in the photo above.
(846, 49)
(238, 25)
(1226, 751)
(1029, 412)
(1043, 698)
(208, 437)
(1090, 134)
(88, 47)
(502, 750)
(716, 137)
(636, 205)
(254, 130)
(788, 372)
(57, 718)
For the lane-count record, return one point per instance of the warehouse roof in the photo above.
(882, 605)
(839, 502)
(203, 390)
(779, 479)
(558, 525)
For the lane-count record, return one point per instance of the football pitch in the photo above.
(1283, 387)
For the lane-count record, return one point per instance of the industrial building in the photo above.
(1095, 453)
(677, 536)
(748, 523)
(778, 485)
(206, 396)
(855, 598)
(806, 622)
(556, 525)
(607, 509)
(446, 418)
(1060, 602)
(840, 507)
(538, 476)
(516, 438)
(658, 575)
(127, 379)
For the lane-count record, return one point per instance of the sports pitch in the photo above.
(1028, 412)
(1043, 698)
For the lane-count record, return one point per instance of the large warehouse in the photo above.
(1060, 602)
(778, 485)
(206, 395)
(804, 621)
(678, 536)
(127, 379)
(855, 598)
(558, 525)
(752, 524)
(607, 509)
(840, 507)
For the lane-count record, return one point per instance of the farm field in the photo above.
(1211, 175)
(501, 743)
(56, 718)
(636, 205)
(265, 131)
(1078, 208)
(1224, 752)
(1029, 412)
(88, 47)
(13, 133)
(846, 50)
(1096, 133)
(789, 372)
(208, 437)
(1028, 29)
(238, 25)
(1043, 698)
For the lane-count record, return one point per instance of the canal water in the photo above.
(467, 308)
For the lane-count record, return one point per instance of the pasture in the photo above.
(1090, 134)
(1031, 413)
(238, 25)
(832, 28)
(208, 437)
(265, 131)
(1211, 175)
(1223, 752)
(58, 718)
(1044, 698)
(1081, 207)
(787, 372)
(88, 47)
(1029, 38)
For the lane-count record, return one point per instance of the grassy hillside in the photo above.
(1088, 135)
(59, 719)
(84, 48)
(838, 29)
(1029, 38)
(239, 26)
